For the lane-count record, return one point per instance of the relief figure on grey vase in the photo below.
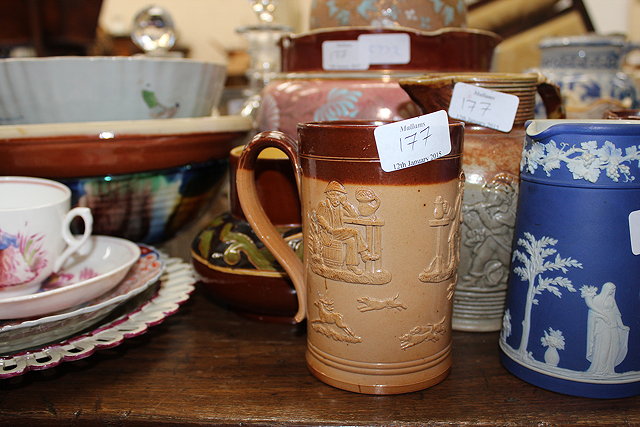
(487, 232)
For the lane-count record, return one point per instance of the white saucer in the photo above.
(98, 266)
(20, 334)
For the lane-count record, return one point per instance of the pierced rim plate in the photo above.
(27, 333)
(175, 287)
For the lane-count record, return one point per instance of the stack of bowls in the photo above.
(133, 137)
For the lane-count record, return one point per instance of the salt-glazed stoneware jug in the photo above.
(380, 255)
(572, 318)
(491, 163)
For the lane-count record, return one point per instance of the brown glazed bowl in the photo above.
(446, 49)
(68, 150)
(234, 267)
(143, 180)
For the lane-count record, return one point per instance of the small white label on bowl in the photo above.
(634, 229)
(484, 107)
(343, 55)
(394, 48)
(413, 141)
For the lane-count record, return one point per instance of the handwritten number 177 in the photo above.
(412, 139)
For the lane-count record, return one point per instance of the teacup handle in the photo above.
(551, 98)
(73, 242)
(255, 214)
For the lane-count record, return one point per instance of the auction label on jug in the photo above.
(394, 48)
(413, 141)
(344, 55)
(369, 49)
(484, 107)
(634, 229)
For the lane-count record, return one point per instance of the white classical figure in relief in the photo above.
(607, 336)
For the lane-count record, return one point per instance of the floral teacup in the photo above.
(34, 227)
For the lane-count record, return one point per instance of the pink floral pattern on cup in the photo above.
(21, 258)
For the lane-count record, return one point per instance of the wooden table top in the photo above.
(207, 365)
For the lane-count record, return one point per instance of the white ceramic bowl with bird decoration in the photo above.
(80, 89)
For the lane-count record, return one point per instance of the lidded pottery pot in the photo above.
(234, 266)
(588, 71)
(491, 162)
(313, 88)
(572, 315)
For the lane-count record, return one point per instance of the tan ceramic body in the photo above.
(378, 364)
(385, 330)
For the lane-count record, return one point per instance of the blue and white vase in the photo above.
(572, 318)
(588, 70)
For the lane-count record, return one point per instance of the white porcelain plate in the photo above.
(97, 267)
(21, 334)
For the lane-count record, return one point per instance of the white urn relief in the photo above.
(553, 341)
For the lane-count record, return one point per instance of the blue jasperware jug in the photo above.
(572, 319)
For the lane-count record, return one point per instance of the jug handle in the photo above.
(551, 98)
(255, 214)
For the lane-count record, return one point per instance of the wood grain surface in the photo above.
(206, 365)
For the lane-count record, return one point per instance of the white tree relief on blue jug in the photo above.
(341, 104)
(607, 336)
(585, 161)
(531, 269)
(605, 333)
